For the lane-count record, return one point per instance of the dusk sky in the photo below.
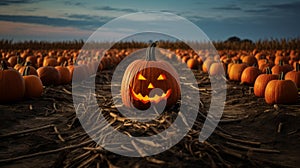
(67, 20)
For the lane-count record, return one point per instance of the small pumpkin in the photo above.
(19, 63)
(249, 75)
(12, 84)
(192, 63)
(32, 59)
(81, 72)
(32, 70)
(261, 82)
(33, 84)
(206, 64)
(142, 76)
(64, 74)
(249, 60)
(294, 75)
(281, 91)
(13, 60)
(217, 69)
(49, 75)
(50, 61)
(236, 71)
(281, 67)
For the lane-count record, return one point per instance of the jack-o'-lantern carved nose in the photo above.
(150, 86)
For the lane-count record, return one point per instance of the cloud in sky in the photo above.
(11, 30)
(227, 8)
(109, 8)
(81, 22)
(15, 2)
(285, 6)
(219, 19)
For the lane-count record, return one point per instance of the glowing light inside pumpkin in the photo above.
(162, 77)
(147, 99)
(141, 77)
(150, 86)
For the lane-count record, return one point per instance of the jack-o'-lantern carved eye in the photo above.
(141, 77)
(162, 77)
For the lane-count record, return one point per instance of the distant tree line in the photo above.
(232, 43)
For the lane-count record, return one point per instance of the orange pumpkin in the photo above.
(249, 60)
(141, 78)
(192, 63)
(281, 67)
(49, 75)
(249, 75)
(33, 84)
(294, 76)
(50, 61)
(261, 82)
(19, 63)
(12, 84)
(236, 71)
(81, 72)
(32, 70)
(217, 69)
(32, 59)
(64, 74)
(206, 64)
(13, 60)
(281, 91)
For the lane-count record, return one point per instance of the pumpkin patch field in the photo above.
(41, 125)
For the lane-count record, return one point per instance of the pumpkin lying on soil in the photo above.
(143, 76)
(236, 70)
(249, 75)
(281, 91)
(12, 84)
(49, 75)
(294, 76)
(33, 84)
(261, 82)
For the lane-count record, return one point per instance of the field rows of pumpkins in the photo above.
(274, 74)
(25, 73)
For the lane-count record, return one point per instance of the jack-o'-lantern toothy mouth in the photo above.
(146, 99)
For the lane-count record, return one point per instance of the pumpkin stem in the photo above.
(3, 65)
(150, 53)
(281, 76)
(26, 71)
(19, 59)
(297, 67)
(64, 64)
(268, 70)
(281, 62)
(28, 63)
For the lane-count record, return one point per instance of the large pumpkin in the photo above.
(143, 76)
(32, 70)
(294, 76)
(262, 81)
(249, 75)
(12, 85)
(236, 71)
(281, 91)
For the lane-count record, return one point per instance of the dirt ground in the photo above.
(45, 132)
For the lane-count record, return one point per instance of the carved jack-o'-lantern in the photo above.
(149, 81)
